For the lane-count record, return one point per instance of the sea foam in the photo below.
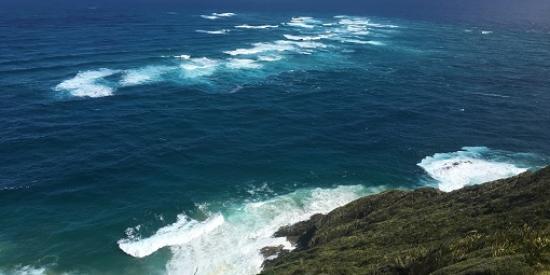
(26, 270)
(214, 16)
(245, 26)
(197, 67)
(88, 84)
(472, 165)
(303, 22)
(144, 75)
(169, 236)
(222, 31)
(242, 63)
(231, 244)
(277, 46)
(304, 37)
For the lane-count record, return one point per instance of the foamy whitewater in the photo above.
(231, 243)
(472, 165)
(302, 36)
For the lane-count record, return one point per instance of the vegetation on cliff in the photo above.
(501, 227)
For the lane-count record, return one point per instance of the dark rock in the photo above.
(269, 251)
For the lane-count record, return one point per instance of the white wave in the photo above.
(233, 246)
(303, 44)
(377, 25)
(303, 22)
(245, 26)
(183, 57)
(210, 17)
(363, 42)
(214, 16)
(354, 21)
(269, 58)
(143, 75)
(492, 95)
(304, 37)
(263, 47)
(242, 63)
(362, 21)
(222, 31)
(357, 29)
(471, 165)
(360, 25)
(26, 270)
(197, 67)
(486, 32)
(181, 232)
(225, 14)
(88, 84)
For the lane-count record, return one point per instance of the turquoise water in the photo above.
(154, 142)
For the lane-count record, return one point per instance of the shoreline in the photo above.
(501, 226)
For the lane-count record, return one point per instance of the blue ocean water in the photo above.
(178, 142)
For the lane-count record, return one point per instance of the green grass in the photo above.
(502, 227)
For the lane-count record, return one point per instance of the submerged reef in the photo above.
(499, 227)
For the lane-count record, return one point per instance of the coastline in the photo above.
(499, 227)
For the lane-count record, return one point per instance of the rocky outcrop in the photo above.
(500, 227)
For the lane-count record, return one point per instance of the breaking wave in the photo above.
(88, 84)
(307, 36)
(230, 243)
(222, 31)
(143, 75)
(475, 165)
(245, 26)
(214, 16)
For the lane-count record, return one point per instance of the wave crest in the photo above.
(475, 165)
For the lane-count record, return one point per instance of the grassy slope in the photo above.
(501, 227)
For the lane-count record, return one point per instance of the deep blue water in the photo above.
(130, 143)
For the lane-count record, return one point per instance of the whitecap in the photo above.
(225, 14)
(486, 32)
(269, 58)
(302, 44)
(197, 67)
(26, 270)
(214, 16)
(183, 57)
(303, 22)
(143, 75)
(469, 166)
(262, 47)
(245, 26)
(209, 17)
(354, 21)
(277, 46)
(88, 84)
(242, 63)
(363, 42)
(304, 37)
(222, 31)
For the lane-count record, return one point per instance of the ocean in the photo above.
(178, 142)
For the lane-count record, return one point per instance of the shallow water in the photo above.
(154, 143)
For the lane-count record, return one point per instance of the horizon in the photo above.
(500, 11)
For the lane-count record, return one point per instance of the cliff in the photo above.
(500, 227)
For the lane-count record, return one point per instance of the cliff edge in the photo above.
(500, 227)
